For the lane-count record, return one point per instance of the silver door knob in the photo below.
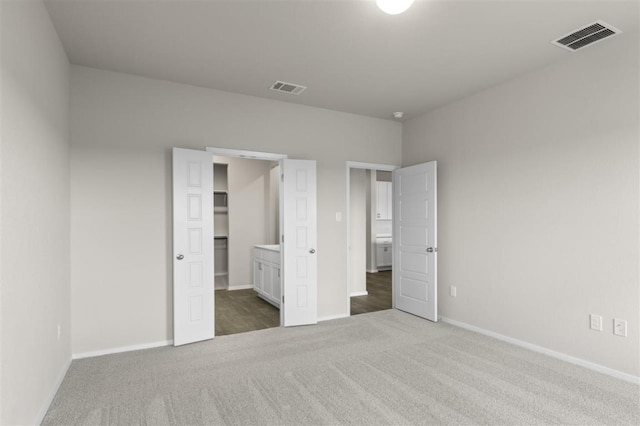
(179, 257)
(312, 251)
(430, 250)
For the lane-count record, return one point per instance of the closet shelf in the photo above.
(220, 209)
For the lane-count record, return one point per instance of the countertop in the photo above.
(272, 247)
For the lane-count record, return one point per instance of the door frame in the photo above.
(366, 166)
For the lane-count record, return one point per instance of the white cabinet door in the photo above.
(298, 217)
(384, 200)
(380, 256)
(415, 241)
(257, 276)
(193, 273)
(382, 209)
(267, 278)
(276, 285)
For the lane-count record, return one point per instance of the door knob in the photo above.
(312, 251)
(430, 250)
(179, 257)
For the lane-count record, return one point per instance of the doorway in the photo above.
(369, 237)
(246, 205)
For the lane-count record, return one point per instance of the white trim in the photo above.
(359, 293)
(254, 155)
(52, 394)
(372, 271)
(371, 166)
(367, 166)
(122, 349)
(240, 287)
(332, 317)
(554, 354)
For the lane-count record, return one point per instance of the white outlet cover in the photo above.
(453, 291)
(619, 327)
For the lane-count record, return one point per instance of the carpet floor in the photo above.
(385, 367)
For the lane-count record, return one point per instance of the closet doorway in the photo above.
(369, 237)
(246, 217)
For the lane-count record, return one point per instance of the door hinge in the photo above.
(283, 299)
(283, 238)
(282, 177)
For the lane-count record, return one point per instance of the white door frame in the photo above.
(365, 166)
(241, 153)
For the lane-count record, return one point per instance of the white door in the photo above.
(193, 273)
(415, 241)
(298, 249)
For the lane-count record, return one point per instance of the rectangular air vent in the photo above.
(586, 35)
(282, 86)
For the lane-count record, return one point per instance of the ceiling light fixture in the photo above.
(398, 114)
(394, 7)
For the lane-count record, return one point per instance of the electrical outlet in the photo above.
(59, 331)
(453, 291)
(596, 322)
(619, 327)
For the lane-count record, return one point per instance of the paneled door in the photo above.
(415, 240)
(298, 247)
(193, 268)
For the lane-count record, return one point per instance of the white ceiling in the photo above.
(352, 57)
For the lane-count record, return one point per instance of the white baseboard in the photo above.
(558, 355)
(332, 317)
(52, 394)
(240, 287)
(372, 271)
(359, 293)
(122, 349)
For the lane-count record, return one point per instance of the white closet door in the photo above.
(415, 241)
(193, 269)
(298, 250)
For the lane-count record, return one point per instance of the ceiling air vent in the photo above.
(282, 86)
(585, 36)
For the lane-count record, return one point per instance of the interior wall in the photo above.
(273, 219)
(358, 229)
(122, 131)
(538, 211)
(370, 206)
(249, 210)
(34, 225)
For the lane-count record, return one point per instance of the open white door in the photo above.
(298, 248)
(193, 274)
(415, 240)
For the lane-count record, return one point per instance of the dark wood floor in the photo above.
(379, 297)
(239, 311)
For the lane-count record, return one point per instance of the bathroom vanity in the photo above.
(266, 273)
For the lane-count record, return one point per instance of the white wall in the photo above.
(273, 219)
(122, 129)
(358, 228)
(34, 261)
(371, 201)
(538, 203)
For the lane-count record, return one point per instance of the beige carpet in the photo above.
(380, 368)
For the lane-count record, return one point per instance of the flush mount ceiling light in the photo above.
(394, 7)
